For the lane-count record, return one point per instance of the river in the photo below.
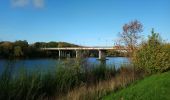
(50, 64)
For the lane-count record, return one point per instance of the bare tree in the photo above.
(130, 36)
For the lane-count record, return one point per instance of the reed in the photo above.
(68, 79)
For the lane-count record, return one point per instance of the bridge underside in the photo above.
(80, 54)
(64, 52)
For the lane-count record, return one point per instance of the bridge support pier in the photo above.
(78, 54)
(61, 54)
(64, 54)
(102, 55)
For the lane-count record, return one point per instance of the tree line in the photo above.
(22, 49)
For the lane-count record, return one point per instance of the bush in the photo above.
(152, 55)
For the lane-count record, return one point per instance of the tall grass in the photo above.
(123, 77)
(70, 76)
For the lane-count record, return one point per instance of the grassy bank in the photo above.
(123, 78)
(155, 87)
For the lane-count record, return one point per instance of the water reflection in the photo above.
(50, 64)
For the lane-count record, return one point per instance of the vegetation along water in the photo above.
(29, 73)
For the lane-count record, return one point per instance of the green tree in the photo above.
(52, 44)
(1, 50)
(152, 55)
(39, 44)
(18, 51)
(22, 44)
(115, 53)
(7, 49)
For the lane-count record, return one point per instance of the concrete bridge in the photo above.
(101, 50)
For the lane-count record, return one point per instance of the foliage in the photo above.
(130, 36)
(18, 51)
(22, 44)
(6, 49)
(53, 44)
(23, 49)
(115, 53)
(153, 55)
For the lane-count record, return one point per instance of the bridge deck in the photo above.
(81, 48)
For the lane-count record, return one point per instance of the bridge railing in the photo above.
(84, 48)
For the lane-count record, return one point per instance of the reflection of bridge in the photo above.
(102, 50)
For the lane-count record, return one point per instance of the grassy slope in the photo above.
(155, 87)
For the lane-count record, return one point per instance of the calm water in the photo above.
(50, 64)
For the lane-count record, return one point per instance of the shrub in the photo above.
(152, 55)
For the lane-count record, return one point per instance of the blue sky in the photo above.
(83, 22)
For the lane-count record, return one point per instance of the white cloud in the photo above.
(20, 3)
(38, 3)
(25, 3)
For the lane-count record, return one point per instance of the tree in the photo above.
(130, 36)
(153, 56)
(7, 49)
(22, 44)
(1, 49)
(39, 44)
(52, 44)
(18, 51)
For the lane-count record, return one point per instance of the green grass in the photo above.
(155, 87)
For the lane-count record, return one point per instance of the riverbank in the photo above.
(67, 77)
(155, 87)
(35, 84)
(124, 76)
